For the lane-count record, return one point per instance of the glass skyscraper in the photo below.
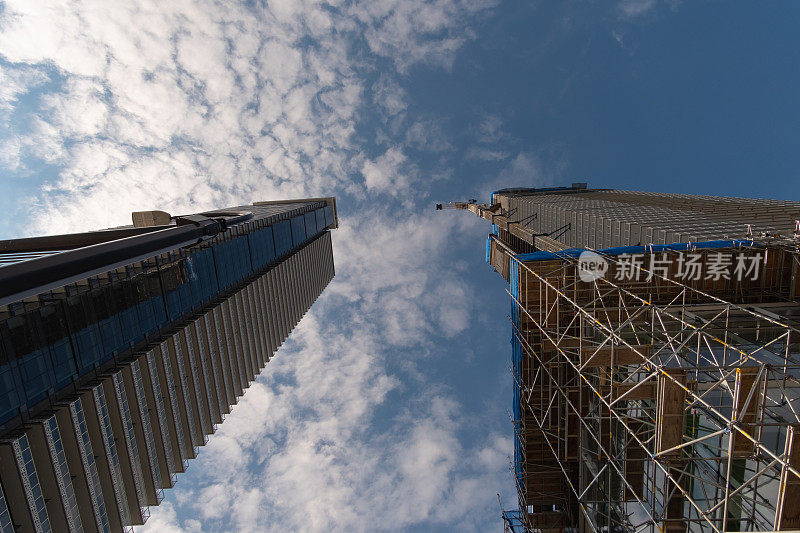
(122, 349)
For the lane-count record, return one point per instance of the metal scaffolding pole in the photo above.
(663, 407)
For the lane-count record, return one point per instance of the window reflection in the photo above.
(46, 344)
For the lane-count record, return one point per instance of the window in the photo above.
(107, 320)
(262, 247)
(321, 224)
(85, 331)
(89, 465)
(56, 335)
(141, 401)
(33, 490)
(130, 437)
(63, 478)
(283, 237)
(161, 411)
(111, 454)
(311, 224)
(298, 230)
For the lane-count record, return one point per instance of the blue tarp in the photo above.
(652, 248)
(516, 365)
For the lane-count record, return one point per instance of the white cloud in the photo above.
(490, 130)
(538, 168)
(61, 39)
(184, 106)
(428, 135)
(636, 8)
(10, 150)
(15, 83)
(332, 470)
(392, 268)
(388, 172)
(418, 32)
(486, 154)
(388, 94)
(190, 90)
(78, 113)
(187, 92)
(491, 139)
(166, 521)
(305, 449)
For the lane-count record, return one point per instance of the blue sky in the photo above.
(387, 409)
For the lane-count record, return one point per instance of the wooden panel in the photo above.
(565, 344)
(675, 521)
(670, 413)
(745, 383)
(635, 457)
(787, 513)
(549, 521)
(572, 428)
(500, 261)
(618, 355)
(633, 391)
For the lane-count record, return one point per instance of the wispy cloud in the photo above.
(490, 129)
(177, 99)
(418, 32)
(531, 168)
(636, 8)
(486, 154)
(490, 140)
(390, 172)
(305, 450)
(427, 135)
(389, 96)
(183, 106)
(15, 82)
(196, 94)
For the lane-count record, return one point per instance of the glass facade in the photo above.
(5, 518)
(193, 326)
(195, 371)
(63, 478)
(213, 408)
(30, 480)
(234, 355)
(173, 398)
(215, 370)
(224, 354)
(147, 429)
(89, 465)
(48, 343)
(194, 434)
(112, 455)
(161, 412)
(130, 437)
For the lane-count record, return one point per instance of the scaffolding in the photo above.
(647, 402)
(646, 399)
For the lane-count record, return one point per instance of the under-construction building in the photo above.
(655, 353)
(121, 351)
